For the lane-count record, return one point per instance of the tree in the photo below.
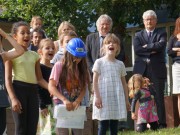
(83, 13)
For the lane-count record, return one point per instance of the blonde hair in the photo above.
(67, 33)
(62, 25)
(135, 83)
(34, 18)
(110, 38)
(45, 41)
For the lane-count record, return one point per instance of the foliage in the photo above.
(83, 13)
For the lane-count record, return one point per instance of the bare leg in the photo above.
(63, 131)
(77, 131)
(179, 104)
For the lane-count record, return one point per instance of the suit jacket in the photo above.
(155, 51)
(93, 50)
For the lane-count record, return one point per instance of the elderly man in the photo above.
(149, 47)
(94, 40)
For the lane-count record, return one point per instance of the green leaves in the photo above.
(83, 13)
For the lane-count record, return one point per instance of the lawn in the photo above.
(168, 131)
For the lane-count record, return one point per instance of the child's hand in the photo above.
(76, 104)
(16, 105)
(44, 112)
(133, 116)
(98, 102)
(68, 104)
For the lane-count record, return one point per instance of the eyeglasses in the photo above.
(149, 19)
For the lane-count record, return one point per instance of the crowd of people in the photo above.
(39, 74)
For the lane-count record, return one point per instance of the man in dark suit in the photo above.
(94, 40)
(149, 47)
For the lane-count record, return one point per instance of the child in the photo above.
(64, 26)
(64, 39)
(110, 103)
(140, 89)
(23, 88)
(4, 56)
(46, 51)
(71, 75)
(37, 22)
(36, 37)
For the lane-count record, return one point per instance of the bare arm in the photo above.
(77, 102)
(43, 83)
(98, 100)
(54, 91)
(125, 87)
(16, 105)
(15, 53)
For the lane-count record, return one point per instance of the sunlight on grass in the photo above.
(168, 131)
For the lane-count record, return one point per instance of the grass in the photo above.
(167, 131)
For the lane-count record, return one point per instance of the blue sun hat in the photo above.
(76, 47)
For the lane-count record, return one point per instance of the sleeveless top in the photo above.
(3, 94)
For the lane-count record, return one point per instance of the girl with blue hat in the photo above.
(69, 78)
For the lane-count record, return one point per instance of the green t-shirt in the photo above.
(24, 67)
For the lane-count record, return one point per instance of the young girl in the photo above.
(71, 74)
(4, 56)
(22, 89)
(140, 89)
(46, 51)
(64, 39)
(64, 26)
(37, 22)
(110, 101)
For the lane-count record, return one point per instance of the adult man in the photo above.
(149, 47)
(94, 40)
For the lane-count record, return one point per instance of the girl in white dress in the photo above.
(110, 102)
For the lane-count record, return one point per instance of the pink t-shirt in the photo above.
(55, 73)
(73, 86)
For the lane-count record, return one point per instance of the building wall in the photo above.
(6, 26)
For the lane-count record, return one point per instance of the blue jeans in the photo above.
(105, 124)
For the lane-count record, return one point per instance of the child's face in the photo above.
(37, 24)
(36, 38)
(111, 48)
(48, 51)
(65, 28)
(22, 36)
(66, 39)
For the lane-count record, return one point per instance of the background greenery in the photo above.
(83, 13)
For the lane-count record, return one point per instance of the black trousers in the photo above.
(2, 120)
(26, 122)
(159, 85)
(105, 124)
